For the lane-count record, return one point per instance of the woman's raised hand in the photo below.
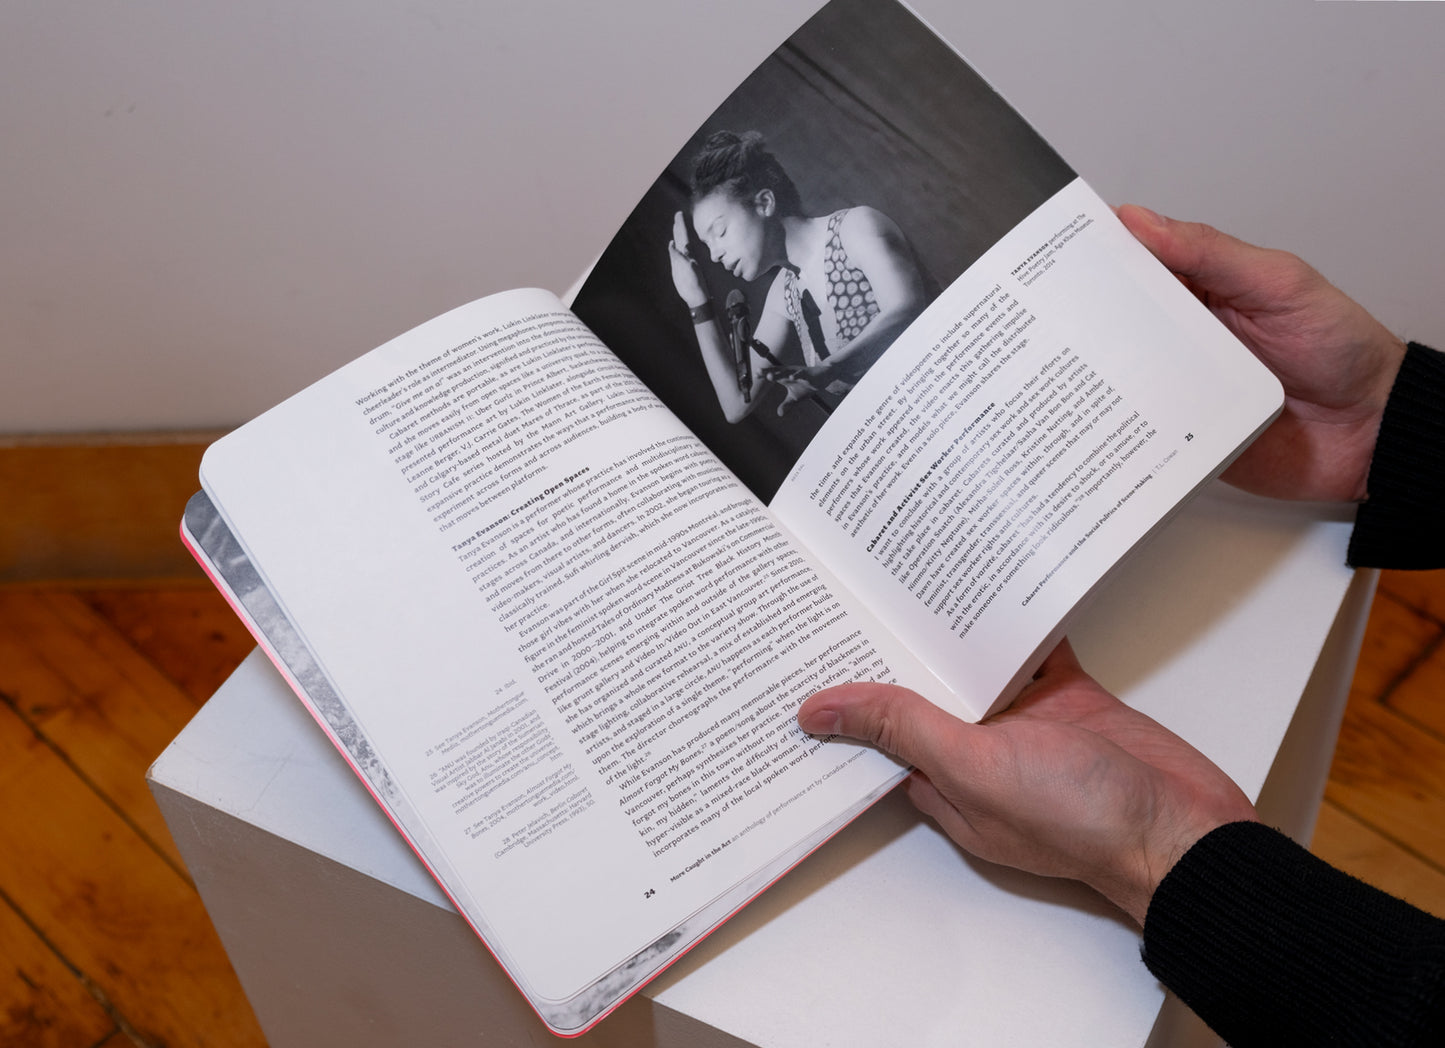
(685, 276)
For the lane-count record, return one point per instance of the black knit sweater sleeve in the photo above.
(1401, 523)
(1272, 946)
(1268, 944)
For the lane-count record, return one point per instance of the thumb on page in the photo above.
(894, 719)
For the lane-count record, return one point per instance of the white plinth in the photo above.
(1238, 628)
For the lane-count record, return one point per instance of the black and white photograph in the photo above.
(806, 224)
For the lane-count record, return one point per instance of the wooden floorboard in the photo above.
(1389, 767)
(43, 1002)
(187, 632)
(100, 707)
(108, 944)
(109, 940)
(1358, 849)
(1384, 813)
(97, 507)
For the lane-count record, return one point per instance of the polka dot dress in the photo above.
(849, 293)
(850, 297)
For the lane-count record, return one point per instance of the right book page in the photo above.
(1052, 408)
(909, 327)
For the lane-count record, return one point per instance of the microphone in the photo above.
(740, 338)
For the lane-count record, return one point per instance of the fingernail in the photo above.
(822, 722)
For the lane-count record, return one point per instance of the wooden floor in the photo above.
(105, 942)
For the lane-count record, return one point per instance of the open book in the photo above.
(556, 579)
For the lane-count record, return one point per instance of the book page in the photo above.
(575, 643)
(901, 319)
(1049, 411)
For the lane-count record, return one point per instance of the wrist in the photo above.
(1391, 356)
(1132, 888)
(702, 312)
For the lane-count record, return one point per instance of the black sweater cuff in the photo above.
(1272, 946)
(1402, 520)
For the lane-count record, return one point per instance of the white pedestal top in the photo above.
(889, 934)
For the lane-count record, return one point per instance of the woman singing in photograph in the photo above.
(846, 283)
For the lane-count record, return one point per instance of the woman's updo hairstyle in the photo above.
(741, 166)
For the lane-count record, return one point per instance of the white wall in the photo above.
(207, 205)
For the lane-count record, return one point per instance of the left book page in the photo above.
(451, 546)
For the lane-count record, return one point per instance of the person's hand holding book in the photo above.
(1336, 361)
(1066, 782)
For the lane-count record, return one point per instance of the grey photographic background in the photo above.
(209, 206)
